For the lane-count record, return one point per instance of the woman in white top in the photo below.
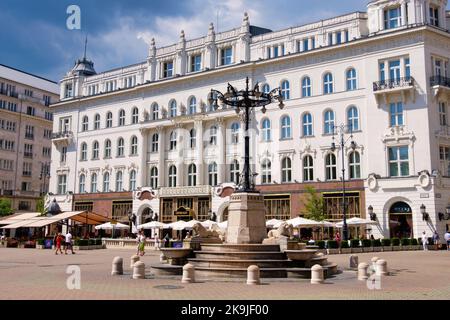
(141, 243)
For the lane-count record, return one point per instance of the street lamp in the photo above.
(245, 101)
(423, 211)
(44, 175)
(341, 130)
(131, 219)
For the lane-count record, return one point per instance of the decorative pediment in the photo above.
(308, 150)
(286, 153)
(398, 133)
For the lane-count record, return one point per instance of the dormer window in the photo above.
(434, 16)
(392, 18)
(226, 56)
(168, 69)
(68, 90)
(196, 63)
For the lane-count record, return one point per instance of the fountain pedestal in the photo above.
(246, 218)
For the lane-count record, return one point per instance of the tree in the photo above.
(314, 205)
(5, 207)
(40, 206)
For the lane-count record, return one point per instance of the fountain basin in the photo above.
(176, 256)
(300, 255)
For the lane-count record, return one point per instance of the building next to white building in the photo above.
(144, 140)
(26, 123)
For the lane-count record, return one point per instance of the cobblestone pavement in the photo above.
(40, 274)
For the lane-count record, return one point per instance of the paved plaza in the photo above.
(40, 274)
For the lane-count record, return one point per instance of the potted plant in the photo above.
(345, 248)
(415, 244)
(354, 244)
(333, 247)
(321, 245)
(367, 245)
(40, 244)
(376, 245)
(386, 243)
(405, 242)
(81, 244)
(395, 244)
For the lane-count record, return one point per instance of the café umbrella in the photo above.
(151, 225)
(112, 226)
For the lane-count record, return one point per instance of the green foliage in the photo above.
(366, 243)
(386, 242)
(405, 242)
(414, 242)
(81, 242)
(354, 243)
(377, 243)
(5, 207)
(395, 241)
(40, 242)
(92, 242)
(332, 244)
(40, 206)
(314, 205)
(344, 244)
(321, 244)
(98, 242)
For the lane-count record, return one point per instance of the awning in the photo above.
(19, 217)
(23, 223)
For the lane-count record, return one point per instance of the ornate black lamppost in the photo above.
(245, 101)
(44, 175)
(341, 130)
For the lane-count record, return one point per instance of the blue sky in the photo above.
(35, 37)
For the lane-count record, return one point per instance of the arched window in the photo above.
(306, 87)
(328, 83)
(134, 146)
(172, 176)
(193, 105)
(97, 122)
(120, 147)
(286, 169)
(155, 111)
(353, 118)
(234, 172)
(307, 125)
(95, 150)
(133, 180)
(285, 91)
(328, 127)
(173, 108)
(266, 170)
(135, 115)
(192, 175)
(286, 127)
(85, 124)
(351, 79)
(308, 169)
(155, 140)
(154, 177)
(235, 133)
(330, 167)
(106, 182)
(192, 138)
(94, 183)
(109, 117)
(213, 135)
(107, 153)
(119, 182)
(266, 88)
(354, 161)
(265, 127)
(173, 141)
(212, 174)
(83, 154)
(82, 184)
(121, 118)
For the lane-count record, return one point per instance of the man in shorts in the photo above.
(68, 243)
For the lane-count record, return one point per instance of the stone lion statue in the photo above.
(201, 232)
(284, 229)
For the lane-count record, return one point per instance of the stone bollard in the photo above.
(139, 270)
(316, 274)
(133, 260)
(374, 262)
(117, 266)
(362, 271)
(381, 269)
(353, 261)
(188, 274)
(253, 275)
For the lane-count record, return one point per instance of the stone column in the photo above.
(143, 153)
(162, 160)
(426, 15)
(380, 19)
(221, 144)
(403, 11)
(180, 149)
(199, 152)
(334, 38)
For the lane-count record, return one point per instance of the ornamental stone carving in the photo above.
(372, 182)
(424, 179)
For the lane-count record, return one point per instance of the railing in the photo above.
(6, 192)
(440, 81)
(444, 130)
(393, 83)
(127, 243)
(9, 93)
(63, 134)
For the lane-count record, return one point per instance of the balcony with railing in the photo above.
(443, 131)
(385, 88)
(63, 138)
(439, 84)
(9, 93)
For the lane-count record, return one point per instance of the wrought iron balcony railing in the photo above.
(393, 83)
(440, 81)
(62, 134)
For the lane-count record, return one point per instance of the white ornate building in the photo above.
(143, 138)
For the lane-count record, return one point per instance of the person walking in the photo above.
(424, 241)
(167, 241)
(436, 240)
(447, 239)
(141, 243)
(69, 243)
(58, 239)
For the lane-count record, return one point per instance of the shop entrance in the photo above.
(401, 220)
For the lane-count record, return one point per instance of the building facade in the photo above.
(26, 124)
(144, 139)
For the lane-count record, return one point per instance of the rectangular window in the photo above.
(333, 205)
(305, 45)
(48, 116)
(46, 152)
(269, 53)
(434, 16)
(168, 69)
(394, 70)
(398, 161)
(226, 56)
(6, 145)
(442, 113)
(275, 51)
(29, 132)
(28, 93)
(392, 18)
(31, 111)
(382, 72)
(27, 167)
(396, 114)
(407, 68)
(68, 90)
(313, 43)
(330, 39)
(347, 36)
(338, 37)
(63, 155)
(196, 63)
(62, 184)
(28, 151)
(444, 152)
(278, 207)
(47, 100)
(64, 125)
